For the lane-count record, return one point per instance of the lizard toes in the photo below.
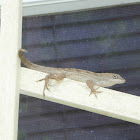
(48, 88)
(94, 92)
(98, 91)
(90, 93)
(40, 80)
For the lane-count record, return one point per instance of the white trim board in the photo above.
(76, 94)
(11, 27)
(63, 6)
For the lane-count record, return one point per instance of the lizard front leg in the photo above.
(91, 85)
(55, 76)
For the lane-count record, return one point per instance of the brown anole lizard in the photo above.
(90, 78)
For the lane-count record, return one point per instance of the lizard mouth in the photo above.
(123, 80)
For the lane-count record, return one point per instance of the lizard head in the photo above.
(110, 79)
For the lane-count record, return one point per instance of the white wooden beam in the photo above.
(63, 6)
(76, 94)
(11, 26)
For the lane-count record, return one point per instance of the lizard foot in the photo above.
(91, 85)
(46, 79)
(57, 77)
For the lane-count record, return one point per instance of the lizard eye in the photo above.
(115, 76)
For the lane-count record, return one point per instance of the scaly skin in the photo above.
(90, 78)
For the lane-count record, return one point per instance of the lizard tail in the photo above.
(25, 61)
(31, 65)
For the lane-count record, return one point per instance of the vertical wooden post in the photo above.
(11, 26)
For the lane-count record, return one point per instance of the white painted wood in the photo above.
(49, 1)
(76, 94)
(63, 6)
(11, 17)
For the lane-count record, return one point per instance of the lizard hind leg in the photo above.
(46, 79)
(57, 77)
(91, 85)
